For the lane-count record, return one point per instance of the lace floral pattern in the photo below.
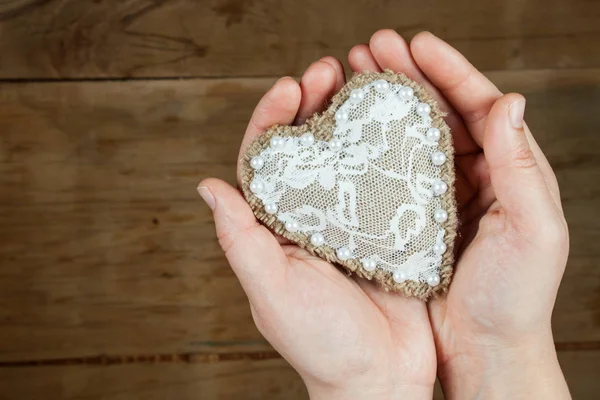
(371, 192)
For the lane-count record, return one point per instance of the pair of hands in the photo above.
(490, 336)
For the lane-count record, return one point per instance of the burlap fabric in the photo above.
(322, 127)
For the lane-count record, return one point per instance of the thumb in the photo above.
(253, 252)
(516, 177)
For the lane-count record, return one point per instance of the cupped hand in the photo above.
(347, 338)
(492, 330)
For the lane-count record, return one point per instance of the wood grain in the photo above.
(49, 39)
(110, 267)
(581, 372)
(112, 284)
(251, 380)
(113, 252)
(106, 248)
(272, 379)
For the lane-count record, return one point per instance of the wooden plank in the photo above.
(581, 372)
(106, 249)
(114, 252)
(271, 379)
(151, 38)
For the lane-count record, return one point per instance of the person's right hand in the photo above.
(492, 331)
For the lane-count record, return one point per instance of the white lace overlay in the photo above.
(374, 196)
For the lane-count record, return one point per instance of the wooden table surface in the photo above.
(112, 284)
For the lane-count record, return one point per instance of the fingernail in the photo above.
(207, 196)
(515, 113)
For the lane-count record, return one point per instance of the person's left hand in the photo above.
(346, 337)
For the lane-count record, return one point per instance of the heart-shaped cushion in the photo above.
(369, 184)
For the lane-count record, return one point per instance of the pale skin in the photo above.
(489, 336)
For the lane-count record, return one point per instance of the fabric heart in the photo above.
(369, 184)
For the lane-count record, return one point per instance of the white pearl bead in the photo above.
(356, 96)
(277, 142)
(423, 109)
(307, 139)
(399, 276)
(257, 186)
(440, 215)
(257, 162)
(343, 253)
(292, 226)
(439, 248)
(336, 144)
(317, 239)
(406, 93)
(369, 265)
(382, 86)
(438, 158)
(439, 188)
(433, 134)
(433, 280)
(342, 116)
(271, 208)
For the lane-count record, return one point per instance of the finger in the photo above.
(318, 85)
(547, 171)
(361, 59)
(392, 52)
(469, 92)
(278, 106)
(340, 74)
(467, 89)
(253, 252)
(518, 183)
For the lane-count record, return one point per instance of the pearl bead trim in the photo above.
(307, 139)
(336, 144)
(439, 187)
(257, 186)
(317, 239)
(271, 208)
(369, 265)
(277, 142)
(399, 276)
(433, 134)
(433, 280)
(423, 109)
(344, 253)
(257, 162)
(357, 96)
(292, 226)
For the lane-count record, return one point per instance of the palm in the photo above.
(482, 301)
(349, 325)
(468, 307)
(391, 325)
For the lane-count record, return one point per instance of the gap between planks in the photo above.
(204, 358)
(349, 73)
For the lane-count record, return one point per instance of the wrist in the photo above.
(528, 369)
(369, 390)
